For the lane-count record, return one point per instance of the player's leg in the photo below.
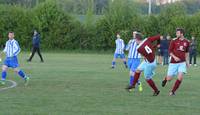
(22, 74)
(122, 56)
(161, 57)
(14, 64)
(176, 84)
(134, 66)
(172, 70)
(32, 54)
(165, 57)
(159, 60)
(135, 80)
(181, 70)
(130, 62)
(148, 73)
(190, 58)
(114, 60)
(138, 71)
(38, 51)
(137, 75)
(4, 74)
(195, 58)
(131, 78)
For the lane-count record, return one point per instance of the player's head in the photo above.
(118, 35)
(179, 32)
(161, 37)
(138, 38)
(35, 32)
(134, 34)
(11, 35)
(193, 37)
(168, 37)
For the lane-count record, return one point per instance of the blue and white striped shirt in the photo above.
(12, 48)
(132, 47)
(119, 46)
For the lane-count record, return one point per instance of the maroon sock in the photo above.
(165, 79)
(152, 84)
(176, 85)
(136, 77)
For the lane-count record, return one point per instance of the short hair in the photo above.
(138, 36)
(135, 32)
(11, 32)
(181, 30)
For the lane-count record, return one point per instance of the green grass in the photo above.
(84, 84)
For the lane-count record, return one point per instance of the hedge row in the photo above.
(62, 30)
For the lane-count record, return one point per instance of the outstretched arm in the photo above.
(155, 38)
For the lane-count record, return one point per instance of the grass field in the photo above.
(84, 84)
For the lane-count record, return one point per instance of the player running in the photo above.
(178, 50)
(133, 60)
(11, 50)
(146, 49)
(119, 52)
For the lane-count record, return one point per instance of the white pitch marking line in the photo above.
(14, 84)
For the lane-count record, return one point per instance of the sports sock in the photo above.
(152, 84)
(138, 82)
(3, 75)
(136, 77)
(113, 63)
(21, 74)
(124, 62)
(131, 80)
(176, 85)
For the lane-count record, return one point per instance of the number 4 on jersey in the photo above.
(148, 49)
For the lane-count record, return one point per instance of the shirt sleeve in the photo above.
(128, 46)
(154, 38)
(16, 48)
(123, 46)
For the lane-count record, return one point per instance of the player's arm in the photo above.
(128, 46)
(175, 57)
(16, 49)
(123, 46)
(171, 47)
(155, 38)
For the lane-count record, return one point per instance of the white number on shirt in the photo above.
(147, 49)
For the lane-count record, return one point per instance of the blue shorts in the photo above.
(122, 56)
(11, 62)
(175, 68)
(148, 68)
(133, 63)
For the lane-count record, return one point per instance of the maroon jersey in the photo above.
(179, 47)
(147, 48)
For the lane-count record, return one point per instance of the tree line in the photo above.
(61, 28)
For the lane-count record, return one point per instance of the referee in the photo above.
(36, 46)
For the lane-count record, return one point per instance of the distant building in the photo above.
(161, 2)
(158, 2)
